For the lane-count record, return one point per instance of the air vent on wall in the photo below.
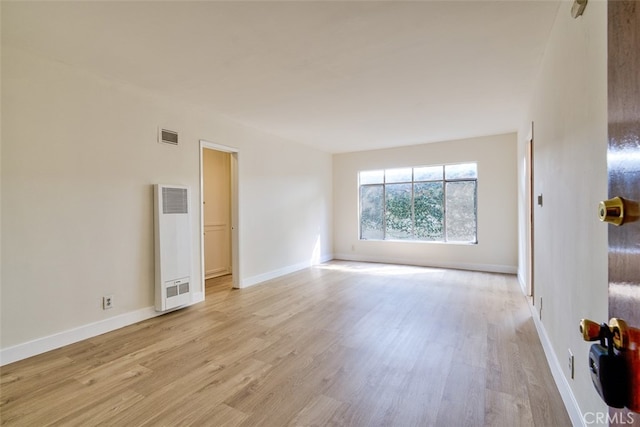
(168, 137)
(174, 200)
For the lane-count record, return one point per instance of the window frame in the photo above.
(413, 182)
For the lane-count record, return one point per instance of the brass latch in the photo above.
(612, 211)
(619, 211)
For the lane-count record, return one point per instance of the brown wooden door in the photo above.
(624, 181)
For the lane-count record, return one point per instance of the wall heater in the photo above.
(172, 246)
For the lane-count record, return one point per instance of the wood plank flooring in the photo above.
(340, 344)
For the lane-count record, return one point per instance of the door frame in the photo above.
(235, 209)
(529, 155)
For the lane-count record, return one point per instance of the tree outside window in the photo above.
(430, 203)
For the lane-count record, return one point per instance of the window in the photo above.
(430, 203)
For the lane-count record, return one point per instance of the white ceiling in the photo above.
(340, 76)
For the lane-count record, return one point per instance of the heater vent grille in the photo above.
(183, 288)
(174, 200)
(172, 291)
(175, 290)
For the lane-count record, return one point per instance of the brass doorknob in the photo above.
(612, 211)
(617, 330)
(590, 330)
(620, 332)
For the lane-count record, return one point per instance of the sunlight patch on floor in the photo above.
(377, 269)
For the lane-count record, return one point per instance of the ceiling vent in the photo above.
(168, 137)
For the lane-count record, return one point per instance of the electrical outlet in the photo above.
(107, 302)
(570, 364)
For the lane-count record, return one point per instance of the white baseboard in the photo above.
(490, 268)
(197, 297)
(259, 278)
(521, 282)
(60, 339)
(568, 398)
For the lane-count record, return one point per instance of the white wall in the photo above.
(497, 205)
(78, 163)
(569, 109)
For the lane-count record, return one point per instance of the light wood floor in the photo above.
(348, 344)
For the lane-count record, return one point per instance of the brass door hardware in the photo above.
(613, 362)
(590, 330)
(612, 211)
(618, 211)
(617, 330)
(620, 332)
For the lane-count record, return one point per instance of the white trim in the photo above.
(213, 146)
(60, 339)
(568, 398)
(521, 281)
(529, 212)
(235, 210)
(490, 268)
(197, 297)
(90, 330)
(259, 278)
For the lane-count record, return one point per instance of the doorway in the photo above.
(219, 212)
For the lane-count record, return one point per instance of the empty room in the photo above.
(320, 213)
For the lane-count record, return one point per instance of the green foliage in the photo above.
(398, 211)
(429, 211)
(418, 216)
